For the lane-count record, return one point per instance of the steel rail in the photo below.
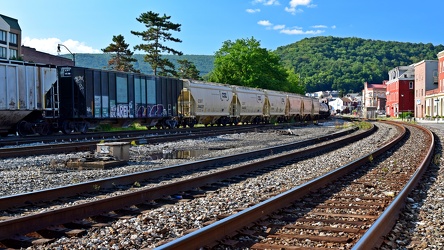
(19, 200)
(76, 146)
(232, 224)
(30, 223)
(374, 235)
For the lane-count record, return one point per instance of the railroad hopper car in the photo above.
(293, 107)
(275, 105)
(205, 103)
(89, 97)
(248, 105)
(28, 98)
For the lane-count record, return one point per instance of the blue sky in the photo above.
(86, 26)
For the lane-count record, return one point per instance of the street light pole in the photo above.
(73, 55)
(400, 107)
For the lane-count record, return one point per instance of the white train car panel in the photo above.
(294, 106)
(277, 101)
(205, 102)
(307, 110)
(316, 107)
(248, 103)
(23, 89)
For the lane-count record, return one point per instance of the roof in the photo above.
(13, 23)
(376, 86)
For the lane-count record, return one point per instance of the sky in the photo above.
(87, 26)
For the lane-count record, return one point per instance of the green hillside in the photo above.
(333, 63)
(204, 63)
(324, 63)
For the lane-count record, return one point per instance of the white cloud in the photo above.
(49, 45)
(253, 10)
(264, 23)
(298, 31)
(295, 3)
(319, 26)
(267, 2)
(333, 27)
(279, 27)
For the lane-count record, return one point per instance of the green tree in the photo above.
(187, 70)
(158, 28)
(245, 63)
(122, 57)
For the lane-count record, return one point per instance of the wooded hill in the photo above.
(344, 64)
(204, 63)
(324, 63)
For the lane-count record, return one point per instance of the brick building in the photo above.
(374, 98)
(426, 78)
(400, 90)
(32, 55)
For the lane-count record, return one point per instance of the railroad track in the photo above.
(353, 207)
(78, 143)
(21, 225)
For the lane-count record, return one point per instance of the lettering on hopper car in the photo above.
(224, 96)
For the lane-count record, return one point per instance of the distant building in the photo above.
(426, 78)
(11, 48)
(10, 38)
(339, 105)
(32, 55)
(400, 90)
(434, 99)
(374, 99)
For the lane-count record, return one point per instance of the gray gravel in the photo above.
(153, 227)
(421, 224)
(424, 213)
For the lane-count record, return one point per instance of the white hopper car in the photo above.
(221, 104)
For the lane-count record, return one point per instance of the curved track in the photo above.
(351, 207)
(23, 225)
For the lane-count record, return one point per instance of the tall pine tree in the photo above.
(158, 28)
(122, 57)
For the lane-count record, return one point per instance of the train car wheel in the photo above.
(83, 127)
(44, 129)
(66, 128)
(23, 128)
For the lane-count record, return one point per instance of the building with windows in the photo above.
(426, 78)
(400, 90)
(374, 99)
(10, 38)
(434, 98)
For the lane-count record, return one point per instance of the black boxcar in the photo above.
(89, 97)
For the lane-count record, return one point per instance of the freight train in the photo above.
(42, 99)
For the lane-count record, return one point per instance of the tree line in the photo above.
(242, 62)
(311, 64)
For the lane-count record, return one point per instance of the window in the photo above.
(2, 36)
(2, 52)
(13, 38)
(13, 54)
(410, 85)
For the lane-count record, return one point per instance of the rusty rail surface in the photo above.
(19, 200)
(77, 143)
(374, 236)
(26, 224)
(233, 224)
